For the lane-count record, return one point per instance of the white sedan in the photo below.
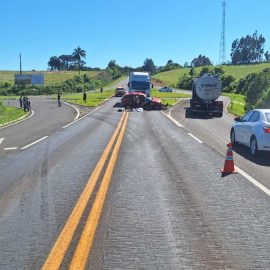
(165, 89)
(252, 130)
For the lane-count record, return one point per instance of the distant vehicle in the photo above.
(120, 91)
(205, 90)
(140, 100)
(252, 130)
(139, 82)
(165, 89)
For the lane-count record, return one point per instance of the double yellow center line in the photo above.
(57, 253)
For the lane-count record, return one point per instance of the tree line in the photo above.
(72, 61)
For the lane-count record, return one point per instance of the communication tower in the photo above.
(222, 48)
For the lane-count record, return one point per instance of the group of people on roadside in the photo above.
(25, 103)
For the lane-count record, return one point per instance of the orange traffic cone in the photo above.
(229, 164)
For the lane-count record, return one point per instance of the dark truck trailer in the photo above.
(205, 90)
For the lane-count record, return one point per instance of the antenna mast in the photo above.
(222, 49)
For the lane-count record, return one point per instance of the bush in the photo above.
(185, 82)
(2, 107)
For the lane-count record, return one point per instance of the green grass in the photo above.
(170, 98)
(237, 104)
(156, 93)
(172, 77)
(51, 77)
(9, 114)
(93, 98)
(9, 97)
(113, 83)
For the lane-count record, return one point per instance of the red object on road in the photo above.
(229, 163)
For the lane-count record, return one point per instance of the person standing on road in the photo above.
(84, 97)
(21, 101)
(24, 103)
(59, 99)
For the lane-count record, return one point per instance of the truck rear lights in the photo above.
(266, 129)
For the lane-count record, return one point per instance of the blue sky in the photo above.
(124, 30)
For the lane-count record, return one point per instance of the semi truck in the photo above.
(139, 82)
(205, 92)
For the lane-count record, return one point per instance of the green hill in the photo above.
(51, 77)
(171, 77)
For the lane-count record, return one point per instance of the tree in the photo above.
(66, 59)
(78, 54)
(248, 49)
(149, 66)
(267, 56)
(200, 61)
(55, 63)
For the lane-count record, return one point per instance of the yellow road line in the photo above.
(86, 241)
(62, 243)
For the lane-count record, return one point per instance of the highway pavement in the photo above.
(46, 118)
(119, 190)
(215, 132)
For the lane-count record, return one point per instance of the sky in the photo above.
(124, 30)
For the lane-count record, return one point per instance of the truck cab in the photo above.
(139, 82)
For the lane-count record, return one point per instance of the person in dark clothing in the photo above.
(59, 99)
(25, 107)
(21, 101)
(101, 90)
(84, 96)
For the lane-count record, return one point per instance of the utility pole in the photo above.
(20, 64)
(222, 48)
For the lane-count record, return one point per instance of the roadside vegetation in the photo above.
(8, 114)
(237, 104)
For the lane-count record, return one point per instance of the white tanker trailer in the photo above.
(205, 90)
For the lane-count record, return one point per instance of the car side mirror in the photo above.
(237, 119)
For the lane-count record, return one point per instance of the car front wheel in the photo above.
(253, 146)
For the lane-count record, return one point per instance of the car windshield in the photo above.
(140, 85)
(267, 115)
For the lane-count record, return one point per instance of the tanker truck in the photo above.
(205, 92)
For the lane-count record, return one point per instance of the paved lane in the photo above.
(167, 206)
(39, 186)
(216, 133)
(48, 117)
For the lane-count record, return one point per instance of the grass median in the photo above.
(93, 98)
(9, 114)
(170, 98)
(237, 104)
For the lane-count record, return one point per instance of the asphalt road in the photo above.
(47, 118)
(215, 132)
(167, 206)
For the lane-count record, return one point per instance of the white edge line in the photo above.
(37, 141)
(75, 108)
(253, 181)
(17, 122)
(10, 148)
(1, 140)
(71, 123)
(173, 120)
(194, 137)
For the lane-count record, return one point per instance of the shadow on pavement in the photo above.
(194, 115)
(262, 158)
(117, 105)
